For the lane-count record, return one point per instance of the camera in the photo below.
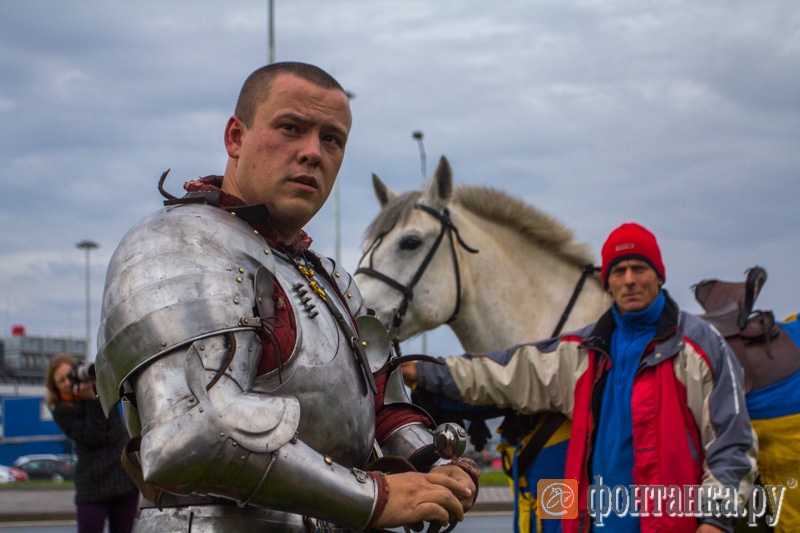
(82, 372)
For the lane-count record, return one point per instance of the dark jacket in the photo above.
(99, 441)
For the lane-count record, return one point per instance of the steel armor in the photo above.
(186, 292)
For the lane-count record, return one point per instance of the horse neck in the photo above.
(515, 291)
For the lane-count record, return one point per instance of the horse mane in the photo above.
(397, 210)
(498, 207)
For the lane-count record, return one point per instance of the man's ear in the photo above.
(234, 130)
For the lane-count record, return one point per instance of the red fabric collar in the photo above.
(301, 242)
(64, 397)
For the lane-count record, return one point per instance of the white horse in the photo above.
(497, 270)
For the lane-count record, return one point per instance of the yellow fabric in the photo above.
(527, 500)
(527, 509)
(507, 451)
(779, 460)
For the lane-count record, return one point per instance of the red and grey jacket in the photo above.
(690, 422)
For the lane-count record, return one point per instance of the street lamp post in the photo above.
(337, 213)
(87, 246)
(417, 135)
(271, 27)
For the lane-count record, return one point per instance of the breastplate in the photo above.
(337, 415)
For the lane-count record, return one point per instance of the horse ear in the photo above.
(384, 193)
(440, 188)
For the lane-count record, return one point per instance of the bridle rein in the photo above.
(408, 290)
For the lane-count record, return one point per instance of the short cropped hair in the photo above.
(257, 85)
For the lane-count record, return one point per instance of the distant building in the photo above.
(23, 359)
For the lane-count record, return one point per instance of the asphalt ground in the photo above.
(45, 505)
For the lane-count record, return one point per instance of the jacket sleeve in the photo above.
(528, 378)
(729, 441)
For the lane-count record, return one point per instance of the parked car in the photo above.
(70, 459)
(45, 466)
(9, 474)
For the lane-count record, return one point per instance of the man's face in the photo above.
(289, 158)
(633, 284)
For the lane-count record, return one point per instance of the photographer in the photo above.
(102, 488)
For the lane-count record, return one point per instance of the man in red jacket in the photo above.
(655, 396)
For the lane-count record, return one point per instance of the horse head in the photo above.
(412, 248)
(421, 268)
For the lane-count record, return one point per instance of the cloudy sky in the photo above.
(681, 115)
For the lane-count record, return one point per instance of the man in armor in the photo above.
(259, 392)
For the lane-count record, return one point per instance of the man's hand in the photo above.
(409, 370)
(708, 528)
(463, 478)
(415, 498)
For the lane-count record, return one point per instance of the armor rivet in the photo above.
(349, 294)
(241, 270)
(658, 356)
(266, 251)
(233, 213)
(328, 460)
(202, 347)
(201, 409)
(163, 344)
(236, 301)
(336, 274)
(234, 444)
(221, 434)
(363, 343)
(255, 231)
(239, 279)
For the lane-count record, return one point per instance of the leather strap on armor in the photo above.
(134, 470)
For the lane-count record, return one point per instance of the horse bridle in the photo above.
(408, 290)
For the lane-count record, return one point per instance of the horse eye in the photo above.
(410, 242)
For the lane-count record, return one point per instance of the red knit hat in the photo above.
(631, 241)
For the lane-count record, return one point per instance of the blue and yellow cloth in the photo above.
(775, 415)
(549, 464)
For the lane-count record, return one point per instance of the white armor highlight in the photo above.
(179, 341)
